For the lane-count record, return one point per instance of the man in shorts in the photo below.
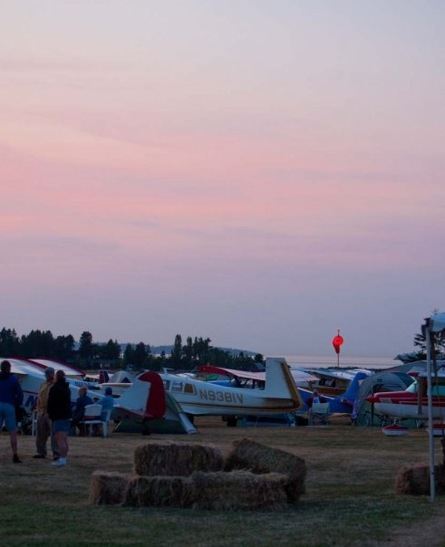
(44, 430)
(11, 396)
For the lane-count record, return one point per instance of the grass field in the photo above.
(350, 497)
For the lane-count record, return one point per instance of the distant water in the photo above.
(317, 361)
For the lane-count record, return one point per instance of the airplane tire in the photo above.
(232, 421)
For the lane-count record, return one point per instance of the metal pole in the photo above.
(430, 412)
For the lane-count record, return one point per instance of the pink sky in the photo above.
(260, 173)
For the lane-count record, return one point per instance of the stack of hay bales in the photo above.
(171, 474)
(237, 490)
(259, 458)
(415, 480)
(108, 488)
(176, 459)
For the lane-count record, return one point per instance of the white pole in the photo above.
(430, 411)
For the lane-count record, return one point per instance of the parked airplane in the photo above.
(247, 379)
(31, 374)
(200, 398)
(413, 402)
(138, 400)
(342, 404)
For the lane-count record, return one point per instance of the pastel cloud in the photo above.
(191, 159)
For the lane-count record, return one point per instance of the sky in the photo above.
(260, 173)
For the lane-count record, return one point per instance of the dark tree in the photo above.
(140, 355)
(37, 344)
(129, 355)
(187, 351)
(86, 348)
(64, 347)
(177, 352)
(111, 351)
(9, 343)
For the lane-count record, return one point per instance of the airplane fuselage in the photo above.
(203, 398)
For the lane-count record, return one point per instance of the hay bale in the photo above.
(107, 488)
(259, 458)
(176, 459)
(237, 490)
(159, 492)
(415, 480)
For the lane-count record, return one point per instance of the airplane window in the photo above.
(189, 388)
(167, 385)
(177, 386)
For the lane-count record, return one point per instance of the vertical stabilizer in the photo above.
(279, 381)
(351, 393)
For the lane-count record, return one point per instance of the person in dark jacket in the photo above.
(11, 397)
(59, 411)
(79, 410)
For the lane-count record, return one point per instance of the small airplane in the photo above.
(341, 404)
(139, 400)
(31, 375)
(247, 379)
(413, 402)
(333, 381)
(201, 398)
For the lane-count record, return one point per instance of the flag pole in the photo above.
(430, 410)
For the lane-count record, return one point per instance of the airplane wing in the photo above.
(232, 373)
(22, 367)
(70, 372)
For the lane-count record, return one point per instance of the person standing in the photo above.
(79, 410)
(44, 430)
(59, 412)
(11, 396)
(107, 404)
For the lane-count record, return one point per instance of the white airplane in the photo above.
(413, 402)
(135, 403)
(31, 375)
(200, 398)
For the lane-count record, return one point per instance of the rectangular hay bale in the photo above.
(415, 480)
(159, 492)
(239, 490)
(176, 459)
(259, 458)
(108, 488)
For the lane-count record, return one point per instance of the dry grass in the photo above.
(349, 493)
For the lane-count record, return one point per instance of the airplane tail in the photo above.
(279, 381)
(351, 393)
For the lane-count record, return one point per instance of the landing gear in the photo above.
(232, 421)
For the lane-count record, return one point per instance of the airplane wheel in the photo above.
(231, 421)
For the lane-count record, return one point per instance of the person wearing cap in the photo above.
(59, 411)
(11, 396)
(44, 428)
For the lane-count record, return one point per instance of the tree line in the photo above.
(88, 354)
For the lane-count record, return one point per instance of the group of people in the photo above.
(55, 417)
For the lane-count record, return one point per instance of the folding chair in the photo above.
(92, 417)
(320, 412)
